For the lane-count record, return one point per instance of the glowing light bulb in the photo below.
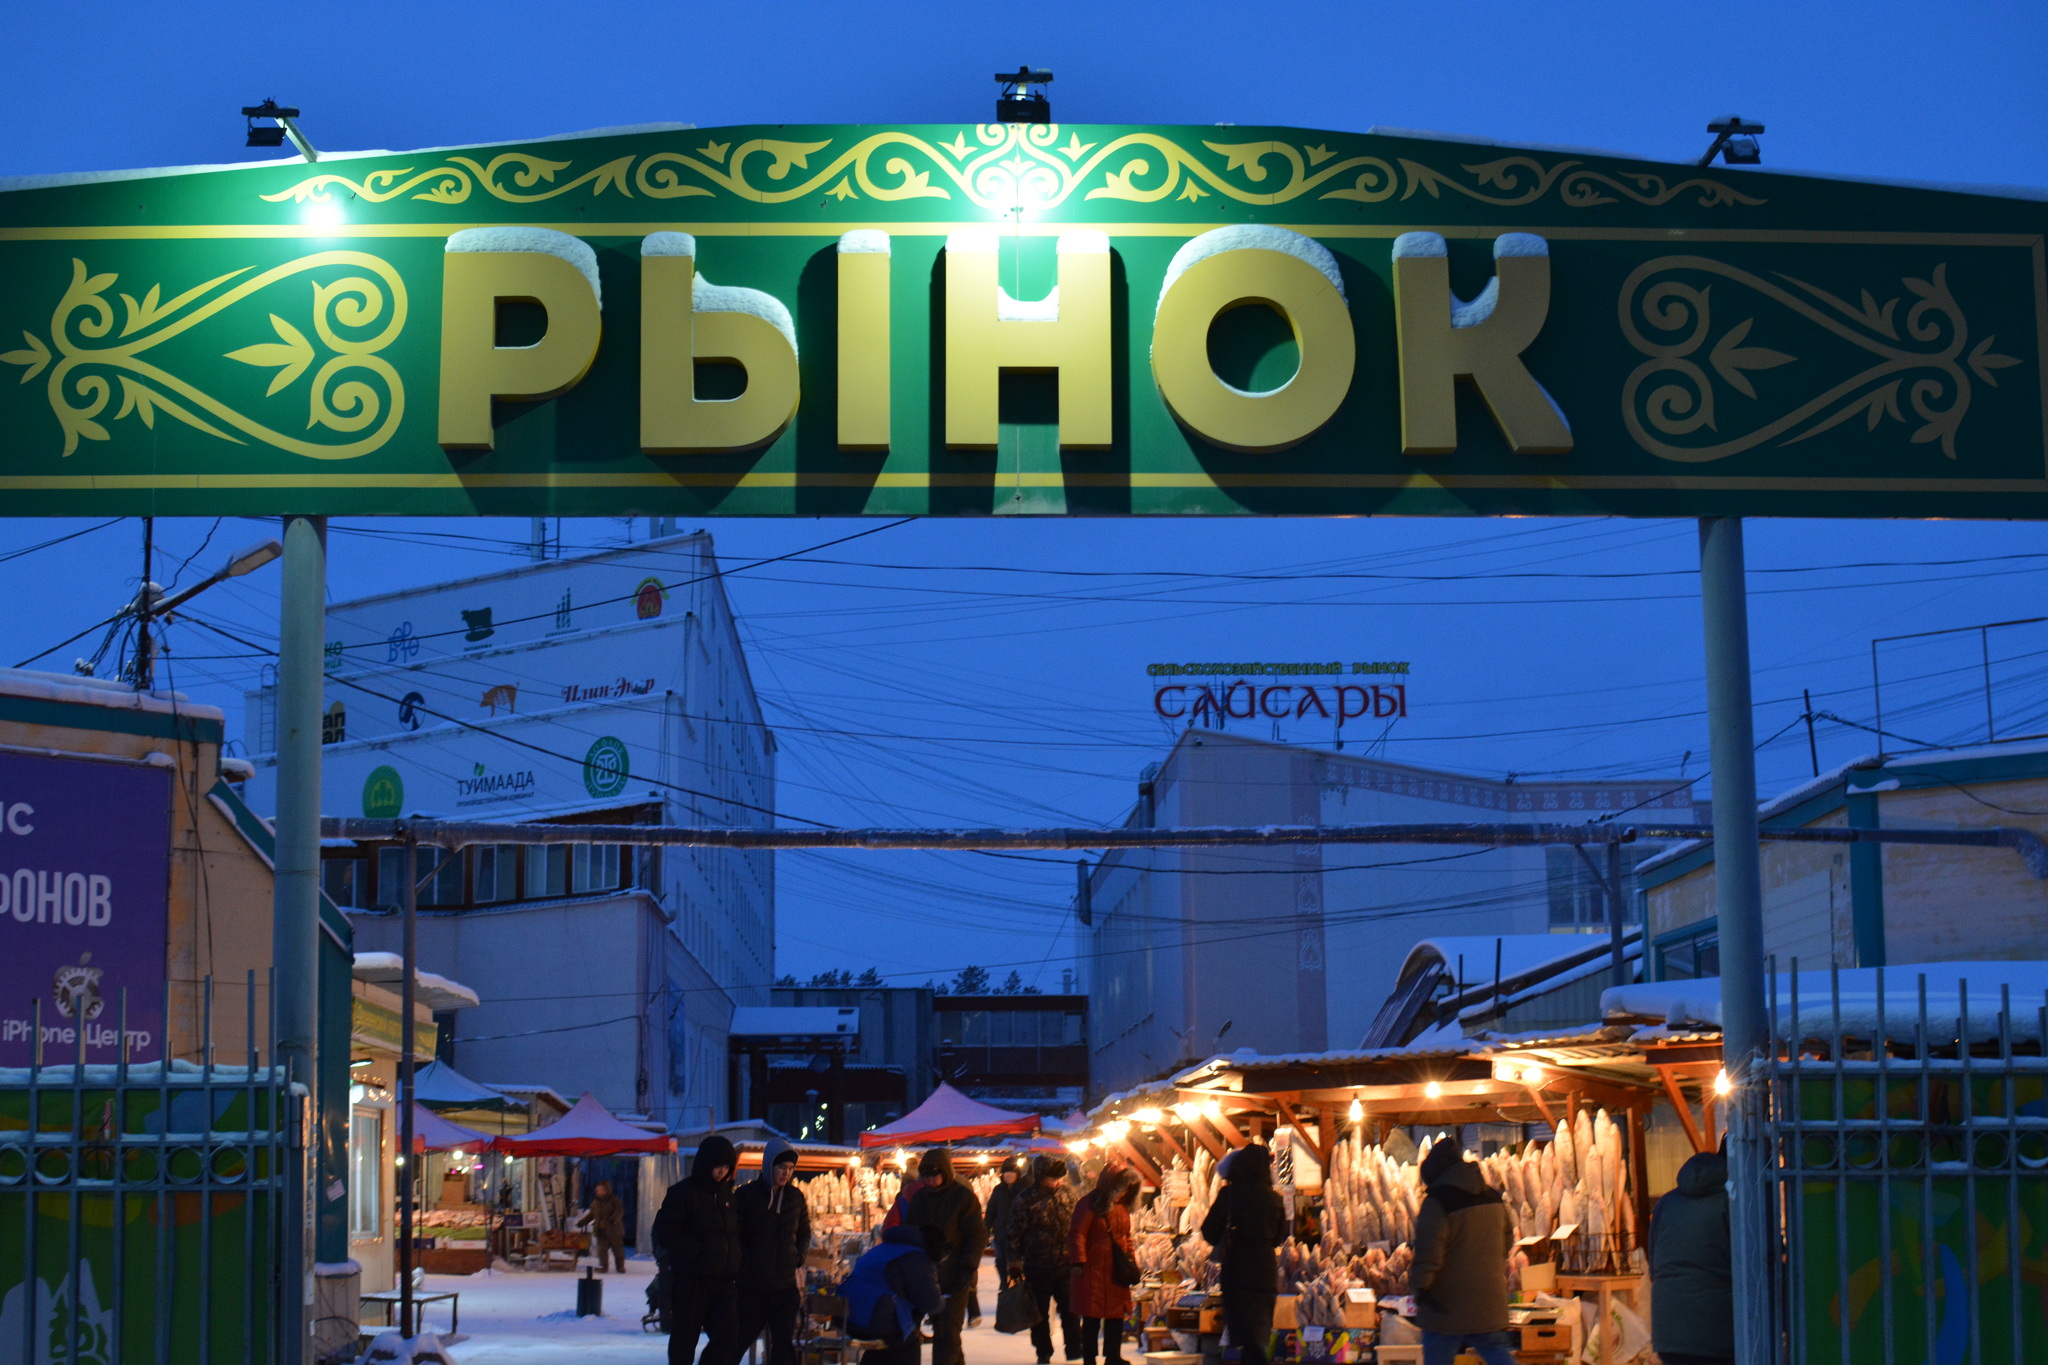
(1149, 1118)
(1212, 1110)
(1532, 1077)
(1722, 1085)
(1433, 1091)
(1357, 1111)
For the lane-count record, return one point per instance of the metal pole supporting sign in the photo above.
(295, 903)
(1738, 895)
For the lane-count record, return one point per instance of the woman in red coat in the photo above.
(1102, 1225)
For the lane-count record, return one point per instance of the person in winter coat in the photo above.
(954, 1237)
(1463, 1236)
(775, 1232)
(607, 1219)
(1101, 1229)
(1692, 1292)
(996, 1213)
(1244, 1225)
(1038, 1242)
(891, 1286)
(697, 1241)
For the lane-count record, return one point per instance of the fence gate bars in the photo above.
(141, 1204)
(1909, 1173)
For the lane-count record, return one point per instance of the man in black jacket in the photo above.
(697, 1241)
(775, 1232)
(997, 1213)
(954, 1238)
(1692, 1288)
(1040, 1245)
(1463, 1235)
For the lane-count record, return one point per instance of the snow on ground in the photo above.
(516, 1317)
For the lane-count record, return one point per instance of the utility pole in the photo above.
(144, 667)
(295, 904)
(1738, 891)
(1812, 749)
(410, 876)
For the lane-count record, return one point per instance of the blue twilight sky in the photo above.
(962, 683)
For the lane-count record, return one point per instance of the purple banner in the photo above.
(85, 854)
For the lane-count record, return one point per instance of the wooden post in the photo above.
(1692, 1129)
(1639, 1175)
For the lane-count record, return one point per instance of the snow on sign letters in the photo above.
(85, 851)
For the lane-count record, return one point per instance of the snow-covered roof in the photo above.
(1799, 793)
(69, 687)
(435, 992)
(1681, 1003)
(1631, 950)
(1519, 954)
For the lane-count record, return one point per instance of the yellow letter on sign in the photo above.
(684, 318)
(988, 332)
(1444, 339)
(1251, 265)
(484, 266)
(864, 340)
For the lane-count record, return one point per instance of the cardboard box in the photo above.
(1284, 1318)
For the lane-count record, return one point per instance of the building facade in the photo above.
(1873, 905)
(609, 688)
(1195, 951)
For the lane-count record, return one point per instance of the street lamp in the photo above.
(274, 135)
(1019, 103)
(1734, 143)
(149, 604)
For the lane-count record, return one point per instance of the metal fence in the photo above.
(140, 1206)
(1909, 1173)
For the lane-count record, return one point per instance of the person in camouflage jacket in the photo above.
(1039, 1244)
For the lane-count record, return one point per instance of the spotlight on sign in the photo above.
(1019, 102)
(1734, 142)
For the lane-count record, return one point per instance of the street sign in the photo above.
(1042, 319)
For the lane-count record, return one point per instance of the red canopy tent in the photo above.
(948, 1116)
(432, 1133)
(586, 1130)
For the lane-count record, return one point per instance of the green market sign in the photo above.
(1017, 318)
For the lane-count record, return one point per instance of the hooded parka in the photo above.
(697, 1231)
(1692, 1293)
(1463, 1236)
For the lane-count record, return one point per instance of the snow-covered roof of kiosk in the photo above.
(1684, 1004)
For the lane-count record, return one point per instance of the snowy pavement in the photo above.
(515, 1317)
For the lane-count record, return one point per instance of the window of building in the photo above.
(1070, 1029)
(594, 867)
(440, 876)
(547, 870)
(366, 1173)
(343, 880)
(496, 873)
(1690, 953)
(390, 874)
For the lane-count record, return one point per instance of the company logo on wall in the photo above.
(77, 990)
(408, 710)
(649, 599)
(605, 691)
(484, 787)
(479, 625)
(383, 793)
(504, 694)
(604, 768)
(401, 644)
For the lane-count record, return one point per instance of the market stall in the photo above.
(1556, 1125)
(589, 1129)
(949, 1116)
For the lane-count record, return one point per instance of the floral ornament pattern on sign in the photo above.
(1695, 399)
(353, 392)
(1009, 166)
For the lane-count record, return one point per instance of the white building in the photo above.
(1294, 949)
(609, 688)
